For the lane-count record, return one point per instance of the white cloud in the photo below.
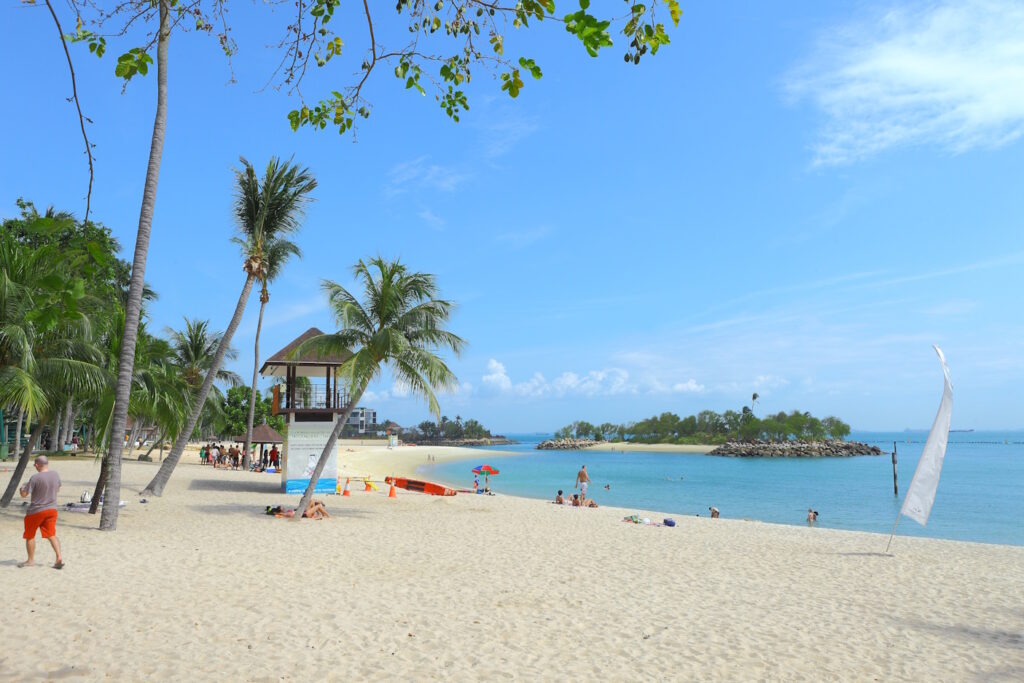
(688, 387)
(607, 382)
(496, 376)
(503, 136)
(946, 73)
(770, 382)
(431, 218)
(421, 173)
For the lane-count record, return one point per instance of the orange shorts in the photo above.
(45, 521)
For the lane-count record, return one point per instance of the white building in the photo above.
(363, 419)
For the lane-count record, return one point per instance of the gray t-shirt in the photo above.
(43, 487)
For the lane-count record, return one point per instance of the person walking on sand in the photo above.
(41, 514)
(582, 482)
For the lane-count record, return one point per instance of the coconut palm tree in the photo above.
(278, 251)
(265, 209)
(399, 324)
(64, 361)
(133, 305)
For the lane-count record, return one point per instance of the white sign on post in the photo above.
(303, 446)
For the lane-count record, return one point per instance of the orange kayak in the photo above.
(420, 486)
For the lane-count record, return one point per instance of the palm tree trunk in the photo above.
(325, 455)
(153, 445)
(133, 308)
(55, 433)
(156, 487)
(19, 469)
(252, 396)
(68, 420)
(17, 432)
(97, 493)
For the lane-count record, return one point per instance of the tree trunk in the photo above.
(325, 455)
(17, 432)
(133, 437)
(125, 366)
(252, 396)
(101, 483)
(55, 433)
(156, 487)
(68, 422)
(153, 445)
(19, 469)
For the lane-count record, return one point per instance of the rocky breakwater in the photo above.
(565, 444)
(795, 449)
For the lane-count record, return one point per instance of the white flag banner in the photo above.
(921, 494)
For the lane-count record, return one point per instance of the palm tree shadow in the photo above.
(865, 554)
(236, 486)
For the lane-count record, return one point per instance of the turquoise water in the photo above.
(980, 495)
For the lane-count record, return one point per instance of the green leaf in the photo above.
(675, 11)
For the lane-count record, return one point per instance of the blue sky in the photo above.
(796, 199)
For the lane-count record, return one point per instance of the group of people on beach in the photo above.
(231, 458)
(579, 500)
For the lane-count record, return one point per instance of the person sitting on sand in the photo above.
(560, 499)
(714, 512)
(576, 500)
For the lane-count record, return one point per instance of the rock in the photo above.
(565, 444)
(795, 449)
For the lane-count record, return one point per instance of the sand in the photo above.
(200, 585)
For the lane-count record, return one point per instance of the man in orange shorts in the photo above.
(42, 511)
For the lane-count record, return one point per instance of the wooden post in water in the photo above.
(895, 488)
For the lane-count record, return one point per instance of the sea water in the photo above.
(980, 495)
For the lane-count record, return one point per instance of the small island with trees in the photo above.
(447, 432)
(732, 433)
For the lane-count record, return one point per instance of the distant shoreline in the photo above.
(651, 447)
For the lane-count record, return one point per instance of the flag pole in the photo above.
(893, 532)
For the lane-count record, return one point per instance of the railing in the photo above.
(309, 398)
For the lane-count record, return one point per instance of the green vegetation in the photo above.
(447, 430)
(400, 322)
(709, 427)
(62, 316)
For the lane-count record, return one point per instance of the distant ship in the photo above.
(960, 430)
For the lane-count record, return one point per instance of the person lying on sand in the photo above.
(315, 510)
(591, 503)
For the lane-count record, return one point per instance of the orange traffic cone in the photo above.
(366, 483)
(346, 492)
(391, 493)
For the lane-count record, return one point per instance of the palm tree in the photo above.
(265, 210)
(133, 305)
(278, 251)
(399, 324)
(64, 361)
(159, 391)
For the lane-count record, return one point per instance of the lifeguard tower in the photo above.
(311, 401)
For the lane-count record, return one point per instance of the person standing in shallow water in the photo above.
(812, 516)
(41, 514)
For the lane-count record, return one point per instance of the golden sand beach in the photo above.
(201, 585)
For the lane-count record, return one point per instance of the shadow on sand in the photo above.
(248, 510)
(235, 486)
